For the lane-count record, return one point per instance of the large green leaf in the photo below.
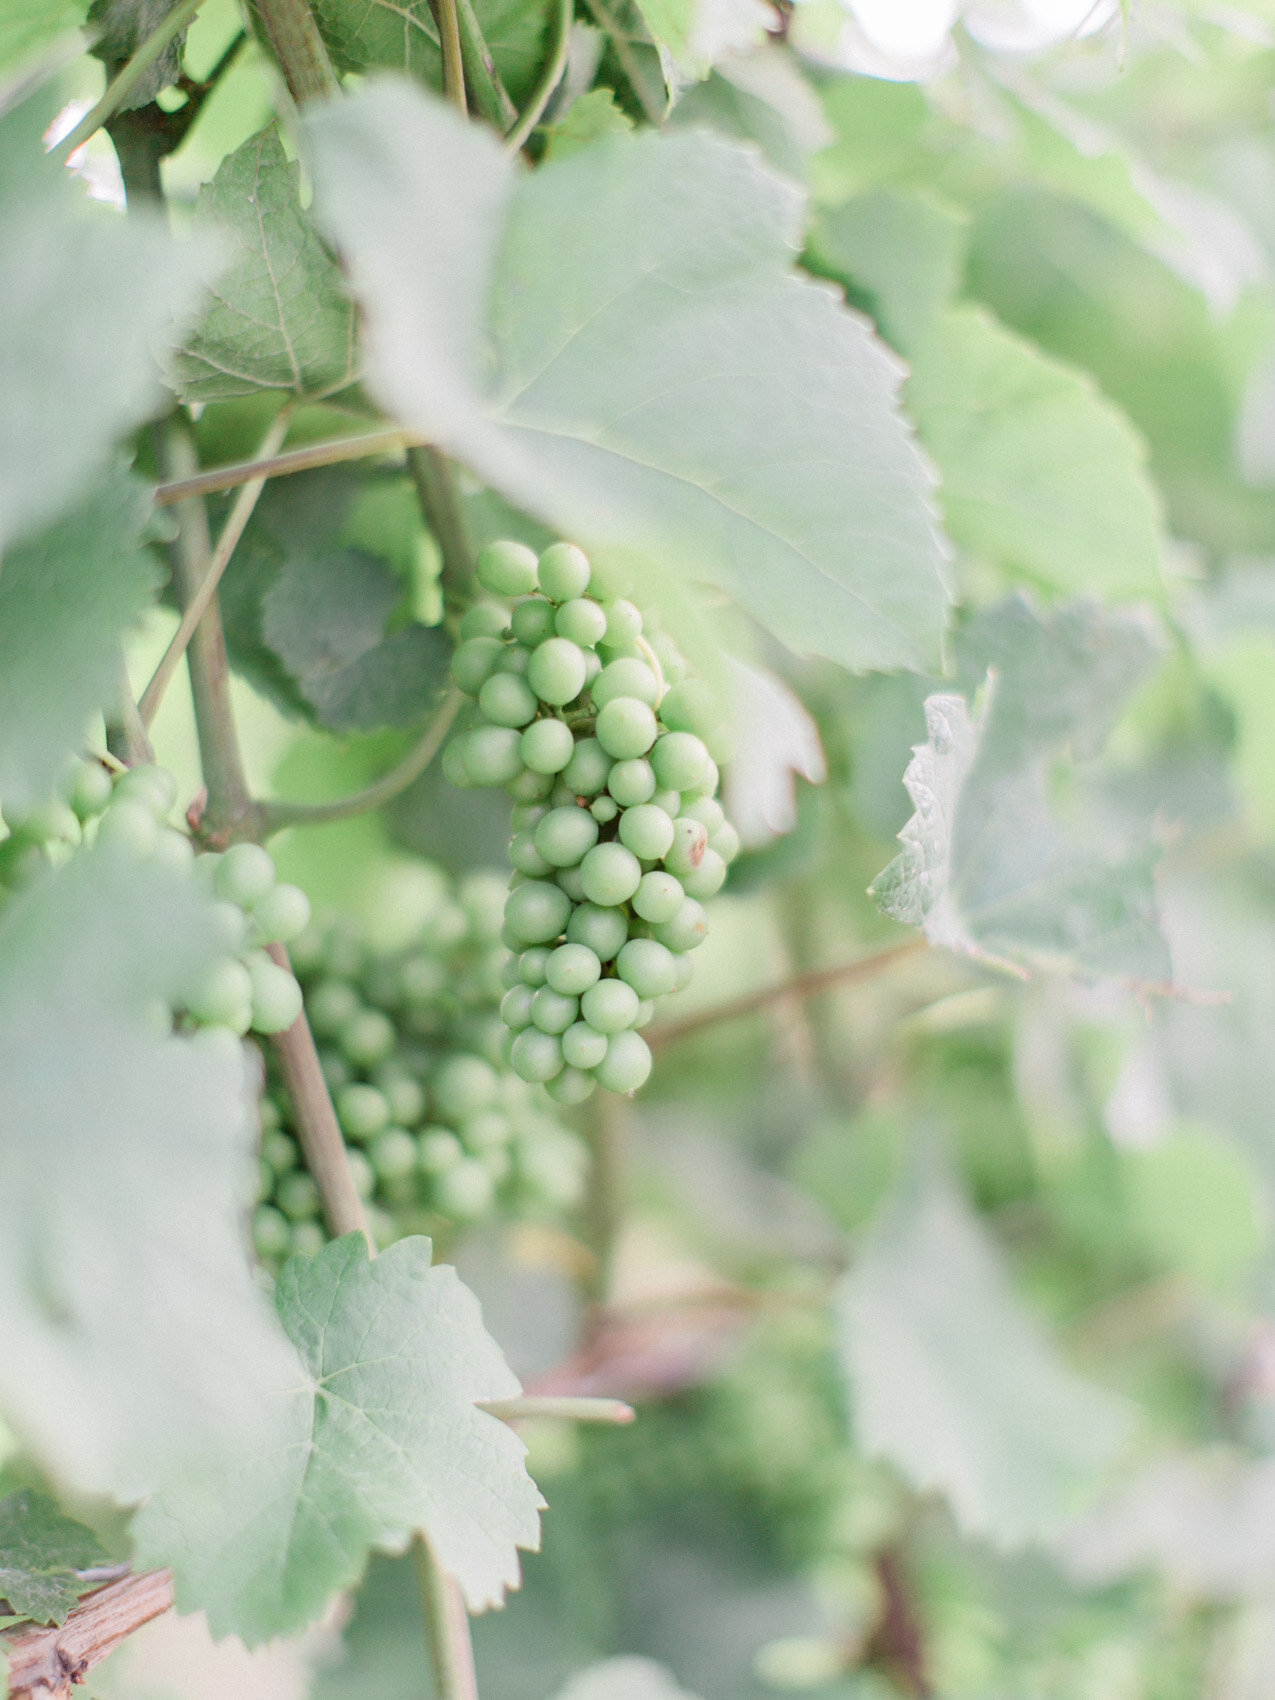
(402, 35)
(40, 1551)
(618, 344)
(986, 868)
(954, 1381)
(280, 317)
(135, 1339)
(88, 296)
(67, 596)
(383, 1437)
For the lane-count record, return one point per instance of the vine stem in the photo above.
(128, 76)
(804, 985)
(548, 80)
(327, 453)
(453, 62)
(490, 95)
(274, 816)
(448, 1624)
(576, 1408)
(441, 506)
(231, 532)
(43, 1662)
(298, 47)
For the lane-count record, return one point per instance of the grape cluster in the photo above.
(243, 989)
(607, 748)
(436, 1125)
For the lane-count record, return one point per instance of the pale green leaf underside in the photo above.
(624, 1679)
(135, 1340)
(40, 1551)
(26, 26)
(954, 1381)
(279, 316)
(618, 343)
(383, 1438)
(985, 868)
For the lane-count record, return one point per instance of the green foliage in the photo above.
(624, 1679)
(40, 1551)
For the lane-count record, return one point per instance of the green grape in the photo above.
(725, 840)
(707, 783)
(581, 621)
(421, 979)
(583, 1046)
(689, 706)
(244, 874)
(367, 1038)
(525, 857)
(465, 1190)
(690, 841)
(588, 770)
(463, 1085)
(482, 1132)
(153, 787)
(332, 1005)
(547, 746)
(626, 679)
(497, 1162)
(556, 671)
(680, 760)
(222, 997)
(658, 897)
(571, 882)
(564, 572)
(174, 850)
(626, 1064)
(572, 1086)
(361, 1110)
(537, 911)
(515, 659)
(646, 1010)
(624, 623)
(668, 655)
(530, 786)
(708, 811)
(609, 1006)
(669, 801)
(437, 1148)
(130, 827)
(280, 915)
(572, 969)
(610, 874)
(604, 810)
(507, 569)
(484, 619)
(646, 831)
(361, 1173)
(91, 789)
(506, 700)
(492, 755)
(688, 928)
(603, 930)
(270, 1234)
(625, 727)
(474, 661)
(632, 782)
(276, 996)
(403, 1093)
(685, 970)
(306, 1239)
(565, 835)
(265, 1181)
(707, 879)
(532, 964)
(515, 1008)
(592, 666)
(536, 1055)
(648, 967)
(297, 1196)
(553, 1012)
(336, 1071)
(532, 621)
(392, 1154)
(455, 769)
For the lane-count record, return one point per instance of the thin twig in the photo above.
(453, 62)
(489, 93)
(451, 1649)
(800, 986)
(127, 738)
(299, 48)
(624, 53)
(274, 816)
(327, 453)
(440, 505)
(572, 1407)
(231, 532)
(43, 1663)
(548, 80)
(128, 76)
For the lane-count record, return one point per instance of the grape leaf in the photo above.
(383, 1438)
(87, 297)
(280, 317)
(40, 1551)
(402, 35)
(1042, 475)
(776, 739)
(135, 1338)
(119, 27)
(624, 1679)
(986, 869)
(956, 1383)
(616, 342)
(67, 596)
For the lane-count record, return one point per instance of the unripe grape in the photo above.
(562, 796)
(437, 1148)
(535, 1055)
(270, 1234)
(707, 783)
(280, 1150)
(421, 979)
(570, 881)
(455, 769)
(690, 841)
(367, 1038)
(306, 1239)
(297, 1196)
(688, 928)
(524, 816)
(506, 700)
(465, 1190)
(280, 915)
(515, 1007)
(276, 996)
(361, 1110)
(582, 621)
(484, 619)
(564, 571)
(609, 1006)
(610, 874)
(690, 706)
(592, 666)
(707, 879)
(626, 679)
(547, 746)
(129, 826)
(565, 835)
(244, 875)
(685, 970)
(556, 671)
(537, 911)
(484, 1132)
(91, 789)
(474, 661)
(332, 1005)
(626, 1064)
(646, 831)
(646, 1009)
(532, 621)
(507, 569)
(658, 897)
(403, 1093)
(572, 969)
(492, 755)
(54, 822)
(624, 623)
(361, 1173)
(604, 810)
(669, 801)
(625, 727)
(583, 1046)
(222, 997)
(571, 1086)
(553, 1012)
(497, 1162)
(154, 787)
(515, 658)
(680, 760)
(392, 1154)
(725, 841)
(705, 809)
(532, 964)
(648, 967)
(587, 771)
(603, 930)
(530, 786)
(464, 1085)
(174, 850)
(336, 1071)
(632, 782)
(525, 858)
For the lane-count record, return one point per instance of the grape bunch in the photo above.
(606, 746)
(435, 1123)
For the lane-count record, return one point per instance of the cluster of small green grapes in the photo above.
(607, 748)
(243, 989)
(437, 1126)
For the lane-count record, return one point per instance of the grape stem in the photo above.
(274, 816)
(441, 509)
(805, 985)
(127, 77)
(549, 78)
(571, 1407)
(453, 64)
(490, 95)
(653, 662)
(302, 54)
(327, 453)
(448, 1624)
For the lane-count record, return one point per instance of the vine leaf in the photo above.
(956, 1383)
(383, 1438)
(624, 1679)
(402, 35)
(618, 344)
(279, 317)
(135, 1338)
(40, 1551)
(67, 596)
(88, 296)
(986, 869)
(119, 28)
